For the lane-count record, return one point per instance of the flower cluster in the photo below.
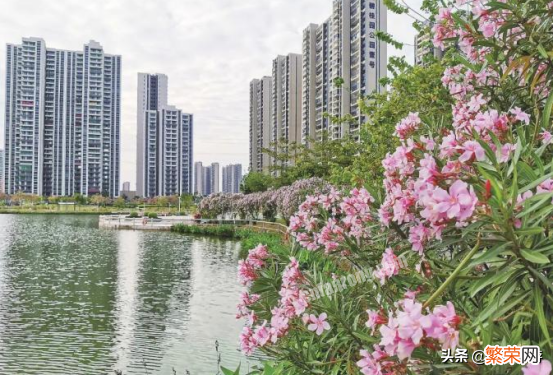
(324, 221)
(248, 268)
(283, 201)
(292, 304)
(388, 268)
(408, 329)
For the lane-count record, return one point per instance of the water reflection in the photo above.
(76, 299)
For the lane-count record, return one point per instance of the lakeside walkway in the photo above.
(166, 222)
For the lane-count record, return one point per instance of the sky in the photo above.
(209, 49)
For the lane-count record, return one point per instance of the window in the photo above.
(372, 55)
(371, 5)
(372, 64)
(371, 44)
(372, 25)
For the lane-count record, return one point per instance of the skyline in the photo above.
(210, 67)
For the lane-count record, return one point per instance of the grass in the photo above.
(248, 238)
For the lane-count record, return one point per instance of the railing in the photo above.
(259, 225)
(165, 223)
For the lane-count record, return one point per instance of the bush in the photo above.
(133, 215)
(152, 215)
(457, 254)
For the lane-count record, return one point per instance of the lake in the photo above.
(75, 299)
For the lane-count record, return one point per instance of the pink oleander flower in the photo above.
(374, 319)
(488, 28)
(472, 150)
(419, 234)
(545, 186)
(503, 154)
(247, 342)
(408, 126)
(403, 333)
(261, 335)
(428, 143)
(520, 115)
(546, 137)
(370, 364)
(389, 266)
(442, 325)
(458, 203)
(543, 368)
(475, 102)
(319, 324)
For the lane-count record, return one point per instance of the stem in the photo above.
(454, 273)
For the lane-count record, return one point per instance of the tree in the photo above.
(119, 202)
(187, 202)
(414, 89)
(162, 201)
(98, 200)
(255, 181)
(79, 198)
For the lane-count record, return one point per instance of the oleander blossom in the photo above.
(292, 304)
(389, 267)
(248, 268)
(318, 324)
(410, 327)
(543, 368)
(324, 221)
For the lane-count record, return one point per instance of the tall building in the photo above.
(423, 46)
(126, 186)
(198, 178)
(151, 98)
(231, 177)
(206, 179)
(2, 171)
(342, 61)
(164, 141)
(260, 123)
(286, 99)
(214, 178)
(62, 120)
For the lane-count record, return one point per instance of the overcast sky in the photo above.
(209, 49)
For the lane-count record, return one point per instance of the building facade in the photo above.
(62, 120)
(151, 98)
(164, 141)
(206, 179)
(424, 48)
(231, 177)
(342, 61)
(260, 123)
(2, 189)
(286, 99)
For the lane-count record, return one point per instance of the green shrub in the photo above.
(133, 215)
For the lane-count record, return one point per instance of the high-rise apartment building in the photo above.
(423, 46)
(151, 98)
(342, 61)
(62, 120)
(206, 179)
(286, 99)
(198, 178)
(2, 190)
(260, 123)
(231, 176)
(164, 141)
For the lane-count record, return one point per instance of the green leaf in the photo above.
(539, 310)
(230, 372)
(534, 256)
(492, 278)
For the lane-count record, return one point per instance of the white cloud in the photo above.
(209, 49)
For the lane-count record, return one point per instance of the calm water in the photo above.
(75, 299)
